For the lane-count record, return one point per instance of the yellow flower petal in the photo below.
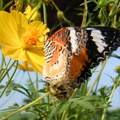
(36, 55)
(20, 20)
(34, 64)
(39, 26)
(14, 53)
(32, 13)
(8, 30)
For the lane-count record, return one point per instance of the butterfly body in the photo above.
(71, 52)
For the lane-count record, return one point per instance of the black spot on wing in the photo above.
(111, 38)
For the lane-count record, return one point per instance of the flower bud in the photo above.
(117, 69)
(60, 14)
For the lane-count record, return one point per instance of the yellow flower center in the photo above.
(31, 38)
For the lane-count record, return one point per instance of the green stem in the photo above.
(32, 87)
(9, 79)
(65, 112)
(55, 6)
(44, 13)
(26, 106)
(105, 109)
(6, 5)
(48, 101)
(64, 115)
(67, 21)
(84, 14)
(7, 69)
(74, 93)
(116, 84)
(37, 81)
(97, 78)
(30, 80)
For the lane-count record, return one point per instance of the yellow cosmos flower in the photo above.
(32, 13)
(25, 66)
(22, 41)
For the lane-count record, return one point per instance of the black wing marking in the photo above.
(102, 41)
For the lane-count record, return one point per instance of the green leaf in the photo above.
(65, 107)
(42, 90)
(53, 112)
(87, 105)
(10, 88)
(2, 86)
(92, 97)
(14, 107)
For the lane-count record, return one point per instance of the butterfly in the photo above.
(71, 53)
